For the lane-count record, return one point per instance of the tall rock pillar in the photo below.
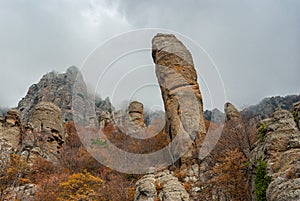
(177, 78)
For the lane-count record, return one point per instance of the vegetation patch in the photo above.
(262, 181)
(296, 117)
(262, 131)
(99, 142)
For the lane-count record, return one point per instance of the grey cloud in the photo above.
(255, 44)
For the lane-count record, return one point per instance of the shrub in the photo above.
(48, 188)
(262, 181)
(81, 186)
(262, 131)
(13, 174)
(229, 175)
(295, 115)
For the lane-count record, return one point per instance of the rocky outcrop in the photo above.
(231, 112)
(12, 123)
(44, 135)
(233, 135)
(177, 78)
(131, 121)
(10, 135)
(185, 126)
(104, 112)
(47, 117)
(296, 113)
(264, 109)
(69, 92)
(136, 114)
(105, 119)
(215, 116)
(161, 186)
(25, 192)
(55, 88)
(235, 131)
(279, 147)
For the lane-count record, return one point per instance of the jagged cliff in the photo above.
(61, 89)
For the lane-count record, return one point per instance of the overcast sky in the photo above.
(254, 44)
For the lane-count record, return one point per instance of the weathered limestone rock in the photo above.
(296, 113)
(44, 136)
(234, 131)
(23, 193)
(105, 119)
(215, 116)
(13, 117)
(69, 92)
(136, 113)
(231, 112)
(10, 133)
(177, 78)
(161, 186)
(58, 89)
(12, 123)
(47, 117)
(279, 146)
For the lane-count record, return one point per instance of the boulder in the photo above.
(161, 186)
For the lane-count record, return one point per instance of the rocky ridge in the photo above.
(279, 148)
(63, 90)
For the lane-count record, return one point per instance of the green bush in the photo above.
(262, 181)
(295, 115)
(262, 131)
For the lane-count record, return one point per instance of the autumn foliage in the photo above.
(79, 176)
(228, 176)
(13, 174)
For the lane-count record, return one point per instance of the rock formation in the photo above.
(136, 113)
(55, 88)
(23, 193)
(279, 147)
(296, 113)
(177, 78)
(47, 117)
(105, 119)
(215, 115)
(233, 134)
(160, 186)
(44, 135)
(236, 131)
(264, 109)
(12, 123)
(10, 133)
